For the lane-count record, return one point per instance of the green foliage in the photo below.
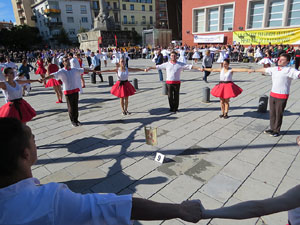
(63, 38)
(82, 30)
(21, 37)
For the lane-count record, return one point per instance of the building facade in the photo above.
(72, 16)
(137, 15)
(244, 21)
(161, 10)
(22, 12)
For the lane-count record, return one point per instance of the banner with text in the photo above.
(218, 38)
(279, 36)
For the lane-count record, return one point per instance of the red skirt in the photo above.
(20, 110)
(53, 82)
(226, 90)
(41, 70)
(123, 89)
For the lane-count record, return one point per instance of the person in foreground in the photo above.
(250, 209)
(23, 200)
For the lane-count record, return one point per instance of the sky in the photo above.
(6, 11)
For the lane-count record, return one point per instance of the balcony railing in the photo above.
(48, 11)
(130, 23)
(19, 1)
(54, 24)
(20, 9)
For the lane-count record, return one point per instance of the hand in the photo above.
(40, 80)
(147, 69)
(298, 140)
(251, 71)
(201, 69)
(191, 211)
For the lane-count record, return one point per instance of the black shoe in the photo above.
(225, 116)
(221, 116)
(268, 131)
(74, 124)
(78, 124)
(275, 134)
(128, 113)
(124, 113)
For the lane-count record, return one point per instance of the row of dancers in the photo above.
(225, 89)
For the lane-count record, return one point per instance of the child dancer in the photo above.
(41, 69)
(266, 61)
(56, 84)
(226, 89)
(123, 89)
(16, 106)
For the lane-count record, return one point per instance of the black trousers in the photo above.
(206, 74)
(297, 62)
(72, 102)
(173, 95)
(89, 60)
(97, 68)
(277, 106)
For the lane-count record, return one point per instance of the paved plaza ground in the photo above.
(220, 161)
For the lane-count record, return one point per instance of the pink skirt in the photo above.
(226, 90)
(123, 89)
(41, 70)
(53, 82)
(19, 109)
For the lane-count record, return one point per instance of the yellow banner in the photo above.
(279, 36)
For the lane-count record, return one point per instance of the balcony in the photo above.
(130, 23)
(19, 1)
(33, 18)
(50, 11)
(116, 9)
(20, 9)
(22, 17)
(54, 24)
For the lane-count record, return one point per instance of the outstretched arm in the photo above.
(150, 68)
(251, 209)
(241, 70)
(209, 69)
(86, 70)
(143, 209)
(108, 71)
(135, 70)
(28, 81)
(3, 85)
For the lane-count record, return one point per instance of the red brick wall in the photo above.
(187, 16)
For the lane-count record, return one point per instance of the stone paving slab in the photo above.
(222, 161)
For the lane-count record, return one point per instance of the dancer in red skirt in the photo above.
(226, 89)
(16, 106)
(123, 88)
(56, 84)
(41, 69)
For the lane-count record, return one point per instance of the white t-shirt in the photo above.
(173, 70)
(281, 79)
(74, 63)
(54, 203)
(226, 76)
(69, 79)
(122, 75)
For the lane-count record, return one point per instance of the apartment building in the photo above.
(23, 13)
(52, 15)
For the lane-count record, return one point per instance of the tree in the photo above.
(63, 37)
(20, 37)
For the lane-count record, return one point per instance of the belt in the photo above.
(16, 103)
(122, 82)
(297, 55)
(225, 82)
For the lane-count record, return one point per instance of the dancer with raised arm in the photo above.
(16, 106)
(123, 88)
(226, 89)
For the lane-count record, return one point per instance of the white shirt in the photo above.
(173, 70)
(226, 76)
(12, 93)
(122, 75)
(28, 202)
(282, 78)
(2, 67)
(74, 63)
(11, 65)
(69, 79)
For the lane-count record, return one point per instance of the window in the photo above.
(84, 20)
(131, 7)
(275, 13)
(125, 28)
(151, 20)
(69, 9)
(124, 6)
(213, 19)
(125, 19)
(294, 13)
(143, 19)
(150, 7)
(256, 14)
(72, 32)
(95, 4)
(133, 29)
(143, 7)
(132, 20)
(200, 21)
(116, 17)
(227, 20)
(70, 19)
(115, 5)
(83, 9)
